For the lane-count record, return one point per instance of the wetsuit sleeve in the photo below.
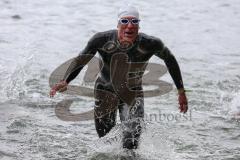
(164, 53)
(82, 59)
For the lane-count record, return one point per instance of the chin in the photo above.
(129, 39)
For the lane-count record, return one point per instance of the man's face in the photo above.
(128, 29)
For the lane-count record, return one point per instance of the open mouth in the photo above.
(128, 33)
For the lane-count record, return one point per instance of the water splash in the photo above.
(13, 86)
(26, 83)
(235, 106)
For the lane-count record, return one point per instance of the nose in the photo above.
(130, 25)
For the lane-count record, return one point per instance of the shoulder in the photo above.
(149, 38)
(150, 41)
(100, 38)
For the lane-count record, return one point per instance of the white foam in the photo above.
(235, 106)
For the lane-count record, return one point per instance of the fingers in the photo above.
(183, 103)
(64, 88)
(183, 108)
(61, 87)
(52, 92)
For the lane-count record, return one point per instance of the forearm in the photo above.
(76, 66)
(174, 71)
(73, 70)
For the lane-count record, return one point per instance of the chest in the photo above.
(133, 53)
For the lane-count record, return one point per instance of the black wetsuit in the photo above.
(112, 90)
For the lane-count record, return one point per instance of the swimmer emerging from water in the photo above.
(123, 50)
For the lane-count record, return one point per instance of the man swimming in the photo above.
(125, 53)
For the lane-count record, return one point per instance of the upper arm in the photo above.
(90, 49)
(83, 58)
(92, 45)
(160, 50)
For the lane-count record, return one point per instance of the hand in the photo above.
(60, 86)
(183, 102)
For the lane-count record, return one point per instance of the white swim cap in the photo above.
(128, 11)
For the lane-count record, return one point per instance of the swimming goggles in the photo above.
(126, 21)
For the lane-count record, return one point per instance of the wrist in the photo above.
(181, 91)
(63, 82)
